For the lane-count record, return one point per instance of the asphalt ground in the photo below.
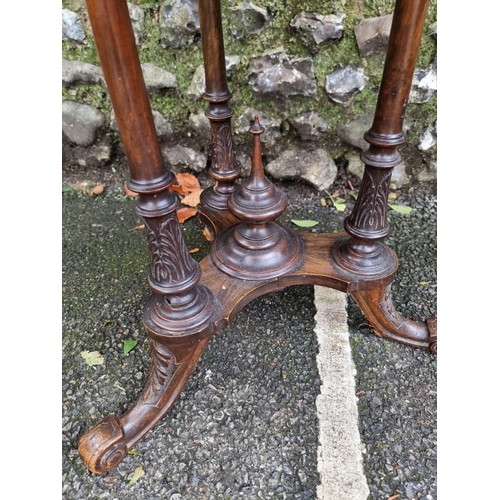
(246, 424)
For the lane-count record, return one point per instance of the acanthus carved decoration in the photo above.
(390, 312)
(372, 210)
(223, 158)
(163, 367)
(170, 259)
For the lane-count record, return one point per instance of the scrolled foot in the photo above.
(433, 336)
(107, 443)
(103, 446)
(386, 321)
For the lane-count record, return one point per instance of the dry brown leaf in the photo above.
(394, 497)
(186, 183)
(189, 181)
(193, 198)
(129, 192)
(136, 228)
(97, 190)
(176, 188)
(194, 250)
(185, 213)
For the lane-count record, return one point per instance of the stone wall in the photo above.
(311, 73)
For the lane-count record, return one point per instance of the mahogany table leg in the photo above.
(214, 214)
(363, 253)
(178, 316)
(387, 322)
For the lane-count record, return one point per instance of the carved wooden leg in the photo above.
(214, 213)
(178, 316)
(363, 252)
(387, 322)
(107, 443)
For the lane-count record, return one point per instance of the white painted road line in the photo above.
(340, 462)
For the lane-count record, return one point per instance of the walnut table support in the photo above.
(251, 254)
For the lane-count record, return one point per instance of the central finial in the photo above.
(257, 128)
(257, 173)
(257, 248)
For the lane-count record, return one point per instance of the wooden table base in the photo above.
(251, 253)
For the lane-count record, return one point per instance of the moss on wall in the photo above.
(176, 106)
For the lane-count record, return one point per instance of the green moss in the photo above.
(176, 106)
(171, 108)
(80, 52)
(93, 95)
(145, 4)
(376, 8)
(422, 115)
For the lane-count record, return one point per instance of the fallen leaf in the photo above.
(134, 452)
(138, 473)
(128, 345)
(81, 186)
(401, 209)
(92, 358)
(189, 181)
(194, 250)
(193, 198)
(185, 213)
(339, 204)
(351, 187)
(129, 192)
(136, 228)
(393, 497)
(186, 183)
(207, 235)
(97, 190)
(392, 197)
(323, 202)
(304, 223)
(175, 188)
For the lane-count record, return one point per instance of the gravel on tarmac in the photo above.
(245, 425)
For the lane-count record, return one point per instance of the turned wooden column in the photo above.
(178, 316)
(362, 252)
(214, 213)
(173, 274)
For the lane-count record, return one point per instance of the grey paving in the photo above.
(246, 425)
